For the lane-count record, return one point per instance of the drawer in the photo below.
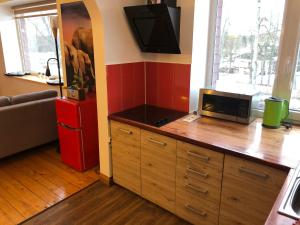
(126, 134)
(126, 156)
(158, 143)
(200, 191)
(158, 169)
(254, 173)
(195, 210)
(200, 155)
(190, 170)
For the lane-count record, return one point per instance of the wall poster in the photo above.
(78, 46)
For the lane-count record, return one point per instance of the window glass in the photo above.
(37, 43)
(295, 100)
(247, 42)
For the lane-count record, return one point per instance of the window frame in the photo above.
(31, 10)
(287, 55)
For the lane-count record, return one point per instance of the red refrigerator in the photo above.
(78, 132)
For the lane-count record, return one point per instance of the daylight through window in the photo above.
(247, 42)
(35, 37)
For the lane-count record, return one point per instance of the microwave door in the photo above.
(219, 106)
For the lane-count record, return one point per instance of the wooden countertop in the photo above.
(275, 147)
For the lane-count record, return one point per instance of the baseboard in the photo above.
(105, 179)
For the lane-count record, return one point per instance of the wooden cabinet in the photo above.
(126, 156)
(202, 186)
(198, 184)
(158, 163)
(249, 191)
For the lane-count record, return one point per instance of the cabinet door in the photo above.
(249, 191)
(158, 162)
(126, 157)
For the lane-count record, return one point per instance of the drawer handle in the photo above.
(249, 171)
(157, 142)
(192, 209)
(201, 157)
(205, 175)
(190, 186)
(125, 131)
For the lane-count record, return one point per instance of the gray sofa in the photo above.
(27, 121)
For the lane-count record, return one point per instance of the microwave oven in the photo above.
(238, 107)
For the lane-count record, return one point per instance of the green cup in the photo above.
(276, 111)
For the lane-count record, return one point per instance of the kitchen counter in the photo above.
(274, 147)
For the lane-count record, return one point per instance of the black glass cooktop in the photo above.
(151, 115)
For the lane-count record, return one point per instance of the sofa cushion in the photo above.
(4, 101)
(18, 99)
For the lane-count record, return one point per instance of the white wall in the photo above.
(186, 37)
(120, 46)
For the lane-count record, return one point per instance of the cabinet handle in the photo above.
(205, 175)
(190, 186)
(157, 142)
(192, 209)
(125, 131)
(249, 171)
(201, 157)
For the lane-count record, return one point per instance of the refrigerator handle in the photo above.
(68, 127)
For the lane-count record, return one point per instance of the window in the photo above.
(35, 36)
(246, 45)
(295, 99)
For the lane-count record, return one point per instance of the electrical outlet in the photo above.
(190, 118)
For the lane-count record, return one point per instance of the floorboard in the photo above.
(34, 180)
(99, 204)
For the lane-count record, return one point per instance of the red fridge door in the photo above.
(71, 146)
(68, 112)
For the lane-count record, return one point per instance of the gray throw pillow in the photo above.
(18, 99)
(4, 101)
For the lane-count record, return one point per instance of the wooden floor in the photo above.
(35, 180)
(99, 204)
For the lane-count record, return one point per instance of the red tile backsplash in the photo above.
(167, 85)
(125, 86)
